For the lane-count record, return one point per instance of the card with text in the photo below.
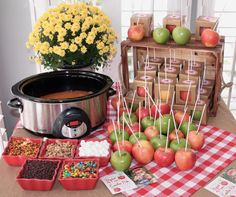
(118, 182)
(230, 175)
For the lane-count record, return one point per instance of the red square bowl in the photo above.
(36, 183)
(103, 161)
(42, 154)
(18, 160)
(71, 183)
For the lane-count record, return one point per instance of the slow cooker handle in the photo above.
(15, 103)
(111, 92)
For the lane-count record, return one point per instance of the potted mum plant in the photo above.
(72, 36)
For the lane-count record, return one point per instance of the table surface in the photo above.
(9, 187)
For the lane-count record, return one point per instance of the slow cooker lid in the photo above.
(32, 88)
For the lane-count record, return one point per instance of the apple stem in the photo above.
(168, 131)
(186, 142)
(185, 110)
(172, 102)
(168, 93)
(176, 131)
(139, 118)
(118, 145)
(123, 130)
(199, 124)
(132, 103)
(133, 132)
(165, 69)
(186, 102)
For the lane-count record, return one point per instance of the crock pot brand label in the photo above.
(188, 82)
(170, 69)
(146, 77)
(191, 72)
(166, 81)
(74, 132)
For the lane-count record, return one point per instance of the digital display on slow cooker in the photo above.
(73, 123)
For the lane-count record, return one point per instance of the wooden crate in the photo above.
(213, 57)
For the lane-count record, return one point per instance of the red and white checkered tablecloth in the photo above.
(218, 152)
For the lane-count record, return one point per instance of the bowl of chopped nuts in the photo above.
(19, 149)
(58, 149)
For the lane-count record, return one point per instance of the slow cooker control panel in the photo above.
(72, 123)
(74, 129)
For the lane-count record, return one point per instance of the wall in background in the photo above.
(15, 26)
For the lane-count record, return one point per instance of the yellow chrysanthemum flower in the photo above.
(83, 49)
(100, 45)
(89, 40)
(64, 45)
(73, 47)
(67, 26)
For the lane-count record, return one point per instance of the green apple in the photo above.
(142, 136)
(119, 135)
(197, 115)
(134, 107)
(147, 121)
(175, 146)
(121, 161)
(161, 35)
(164, 123)
(181, 35)
(184, 127)
(133, 117)
(158, 142)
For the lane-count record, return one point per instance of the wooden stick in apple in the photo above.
(132, 102)
(186, 102)
(195, 104)
(165, 69)
(139, 118)
(172, 102)
(180, 13)
(154, 53)
(174, 54)
(170, 58)
(185, 110)
(159, 87)
(168, 93)
(118, 110)
(186, 142)
(118, 145)
(132, 132)
(160, 124)
(123, 130)
(176, 131)
(168, 131)
(199, 124)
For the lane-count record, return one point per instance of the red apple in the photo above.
(141, 91)
(172, 135)
(144, 152)
(126, 146)
(144, 112)
(164, 108)
(134, 126)
(185, 160)
(114, 102)
(179, 116)
(109, 127)
(136, 32)
(151, 131)
(122, 109)
(210, 38)
(196, 140)
(164, 158)
(184, 95)
(170, 27)
(153, 111)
